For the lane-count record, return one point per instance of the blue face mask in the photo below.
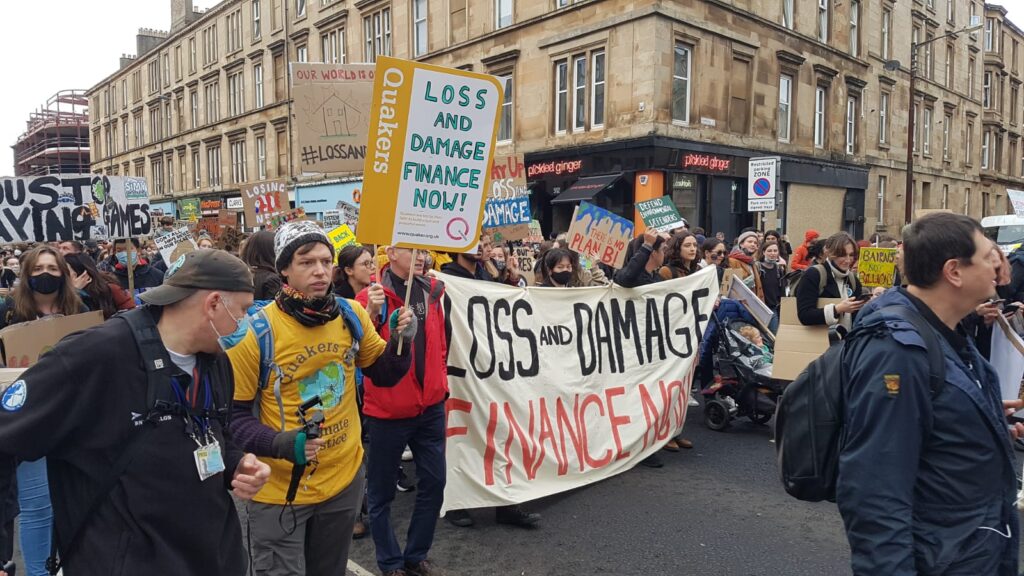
(122, 257)
(235, 338)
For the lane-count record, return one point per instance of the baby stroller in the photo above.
(743, 387)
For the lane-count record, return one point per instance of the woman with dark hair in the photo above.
(835, 278)
(11, 269)
(99, 291)
(44, 289)
(355, 271)
(259, 255)
(683, 257)
(559, 268)
(783, 245)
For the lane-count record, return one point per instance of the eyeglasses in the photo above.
(367, 264)
(718, 253)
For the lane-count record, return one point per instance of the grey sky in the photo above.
(39, 63)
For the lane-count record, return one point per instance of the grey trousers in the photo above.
(320, 543)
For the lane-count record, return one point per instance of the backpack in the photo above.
(265, 338)
(809, 416)
(794, 277)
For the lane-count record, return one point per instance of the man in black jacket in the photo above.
(132, 418)
(643, 260)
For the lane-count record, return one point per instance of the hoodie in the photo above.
(1014, 292)
(800, 258)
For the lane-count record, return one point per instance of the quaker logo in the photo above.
(14, 397)
(174, 268)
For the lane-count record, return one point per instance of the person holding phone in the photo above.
(835, 278)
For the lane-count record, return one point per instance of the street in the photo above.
(716, 510)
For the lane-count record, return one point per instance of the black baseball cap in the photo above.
(204, 269)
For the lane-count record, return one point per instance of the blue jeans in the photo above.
(425, 435)
(36, 519)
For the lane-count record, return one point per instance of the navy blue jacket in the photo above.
(926, 484)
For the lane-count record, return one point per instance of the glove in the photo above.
(290, 445)
(410, 331)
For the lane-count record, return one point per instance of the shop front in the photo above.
(707, 183)
(318, 198)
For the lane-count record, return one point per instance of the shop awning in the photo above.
(586, 188)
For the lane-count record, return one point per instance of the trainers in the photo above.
(693, 403)
(423, 568)
(652, 461)
(360, 529)
(460, 518)
(407, 454)
(405, 483)
(515, 516)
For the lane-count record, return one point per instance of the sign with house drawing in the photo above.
(332, 115)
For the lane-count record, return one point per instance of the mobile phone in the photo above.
(1011, 308)
(10, 567)
(998, 302)
(862, 297)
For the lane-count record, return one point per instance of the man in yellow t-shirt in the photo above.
(315, 361)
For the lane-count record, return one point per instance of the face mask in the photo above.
(235, 338)
(16, 269)
(46, 283)
(562, 278)
(500, 265)
(122, 257)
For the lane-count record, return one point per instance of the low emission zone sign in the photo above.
(762, 181)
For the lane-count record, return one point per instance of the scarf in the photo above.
(769, 264)
(839, 274)
(738, 254)
(308, 311)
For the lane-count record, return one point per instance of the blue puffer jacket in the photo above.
(727, 311)
(926, 484)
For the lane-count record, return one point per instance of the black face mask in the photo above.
(562, 278)
(46, 283)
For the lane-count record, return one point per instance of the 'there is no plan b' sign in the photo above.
(428, 158)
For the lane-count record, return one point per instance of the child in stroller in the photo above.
(743, 386)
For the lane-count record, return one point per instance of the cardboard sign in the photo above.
(73, 207)
(342, 236)
(332, 115)
(428, 165)
(660, 214)
(600, 235)
(227, 218)
(1017, 200)
(877, 267)
(1007, 358)
(175, 244)
(523, 254)
(511, 212)
(536, 234)
(508, 178)
(797, 345)
(276, 221)
(509, 233)
(24, 343)
(188, 209)
(331, 219)
(264, 201)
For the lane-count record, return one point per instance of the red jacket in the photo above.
(410, 397)
(801, 260)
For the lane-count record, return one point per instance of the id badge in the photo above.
(209, 461)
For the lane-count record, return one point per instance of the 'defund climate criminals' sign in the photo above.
(429, 155)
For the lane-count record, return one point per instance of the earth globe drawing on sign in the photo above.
(328, 383)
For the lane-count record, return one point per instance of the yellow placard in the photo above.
(429, 155)
(877, 267)
(342, 236)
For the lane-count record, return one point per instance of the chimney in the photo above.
(183, 13)
(126, 60)
(148, 39)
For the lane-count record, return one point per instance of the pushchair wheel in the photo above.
(716, 415)
(761, 418)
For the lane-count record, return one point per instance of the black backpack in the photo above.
(809, 417)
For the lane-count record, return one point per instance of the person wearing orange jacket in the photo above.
(800, 258)
(412, 413)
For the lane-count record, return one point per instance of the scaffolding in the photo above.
(56, 139)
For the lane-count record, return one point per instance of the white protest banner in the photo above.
(1017, 200)
(73, 207)
(428, 162)
(175, 244)
(1007, 356)
(557, 388)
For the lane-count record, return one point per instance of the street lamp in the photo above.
(892, 66)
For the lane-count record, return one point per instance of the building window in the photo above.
(139, 134)
(926, 145)
(280, 81)
(970, 76)
(257, 80)
(945, 196)
(170, 175)
(196, 182)
(302, 53)
(261, 157)
(886, 36)
(167, 68)
(300, 8)
(967, 201)
(882, 182)
(155, 125)
(949, 11)
(502, 13)
(282, 154)
(883, 118)
(949, 66)
(990, 24)
(194, 104)
(579, 94)
(377, 32)
(177, 62)
(257, 20)
(153, 69)
(969, 144)
(681, 84)
(785, 103)
(137, 86)
(929, 56)
(947, 122)
(985, 141)
(787, 13)
(210, 45)
(851, 125)
(192, 55)
(819, 117)
(332, 46)
(213, 165)
(211, 101)
(236, 93)
(238, 174)
(168, 121)
(823, 20)
(235, 31)
(984, 204)
(419, 27)
(1013, 104)
(597, 90)
(156, 167)
(986, 90)
(854, 27)
(124, 135)
(182, 170)
(124, 93)
(507, 107)
(561, 95)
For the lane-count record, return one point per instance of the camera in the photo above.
(311, 425)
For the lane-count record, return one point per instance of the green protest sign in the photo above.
(660, 214)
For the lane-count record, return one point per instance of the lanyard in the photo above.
(196, 425)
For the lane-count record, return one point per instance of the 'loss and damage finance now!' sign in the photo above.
(428, 160)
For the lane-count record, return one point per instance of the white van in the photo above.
(1007, 231)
